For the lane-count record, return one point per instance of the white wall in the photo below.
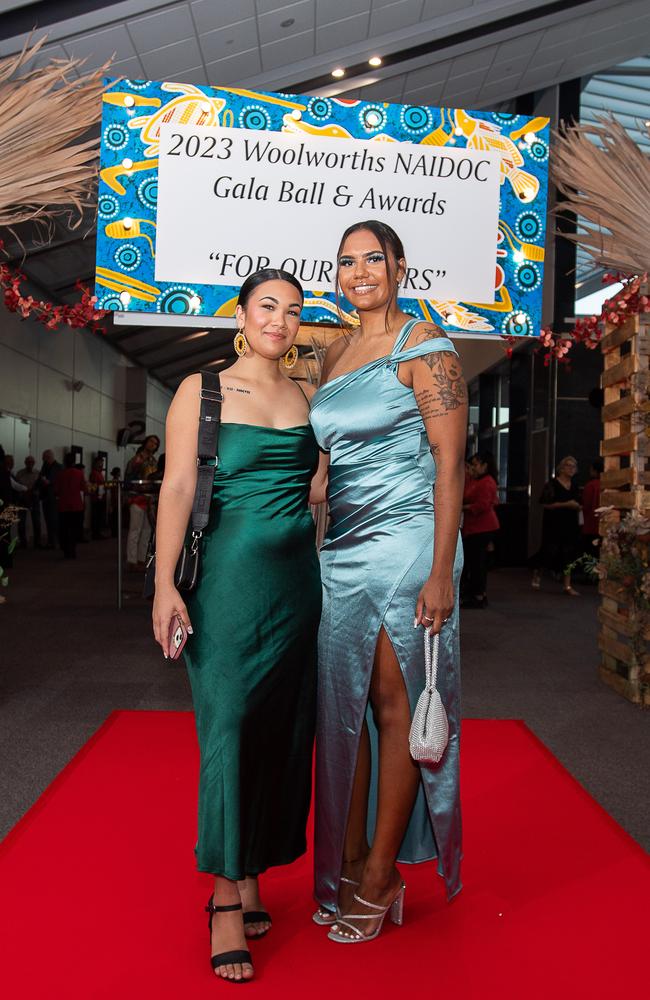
(37, 367)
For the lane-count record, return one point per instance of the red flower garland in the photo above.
(588, 330)
(80, 314)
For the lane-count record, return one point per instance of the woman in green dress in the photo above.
(253, 620)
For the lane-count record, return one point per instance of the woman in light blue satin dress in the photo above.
(392, 413)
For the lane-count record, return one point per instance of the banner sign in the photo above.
(267, 199)
(200, 189)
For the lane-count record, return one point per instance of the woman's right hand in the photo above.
(166, 604)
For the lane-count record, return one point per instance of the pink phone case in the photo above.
(177, 637)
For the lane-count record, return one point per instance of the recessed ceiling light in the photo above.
(287, 24)
(338, 73)
(374, 61)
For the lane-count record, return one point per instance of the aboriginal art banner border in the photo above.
(133, 111)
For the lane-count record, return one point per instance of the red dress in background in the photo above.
(479, 524)
(70, 488)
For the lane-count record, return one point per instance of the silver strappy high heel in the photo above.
(323, 917)
(343, 932)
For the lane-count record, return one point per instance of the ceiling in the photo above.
(452, 52)
(623, 91)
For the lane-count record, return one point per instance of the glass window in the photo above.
(502, 459)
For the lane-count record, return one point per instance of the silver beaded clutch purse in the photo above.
(429, 729)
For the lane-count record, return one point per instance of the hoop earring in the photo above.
(240, 342)
(290, 358)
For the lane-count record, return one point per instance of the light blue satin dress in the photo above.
(376, 556)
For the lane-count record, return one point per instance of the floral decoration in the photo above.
(588, 330)
(9, 515)
(80, 314)
(623, 559)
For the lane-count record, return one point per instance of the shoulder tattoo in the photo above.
(448, 390)
(429, 332)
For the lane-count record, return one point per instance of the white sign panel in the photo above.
(233, 200)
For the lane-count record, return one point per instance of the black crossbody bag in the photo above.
(188, 567)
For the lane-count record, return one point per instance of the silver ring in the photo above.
(427, 619)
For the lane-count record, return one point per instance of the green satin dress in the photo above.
(252, 658)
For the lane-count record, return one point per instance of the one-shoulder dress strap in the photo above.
(400, 353)
(403, 335)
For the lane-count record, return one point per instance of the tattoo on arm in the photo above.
(448, 391)
(429, 332)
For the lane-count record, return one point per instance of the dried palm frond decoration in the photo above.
(604, 178)
(47, 162)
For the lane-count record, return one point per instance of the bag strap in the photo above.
(431, 658)
(207, 460)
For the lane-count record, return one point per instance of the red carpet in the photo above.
(99, 897)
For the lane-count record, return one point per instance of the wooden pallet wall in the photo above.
(625, 486)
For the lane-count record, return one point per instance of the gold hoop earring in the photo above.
(290, 358)
(240, 342)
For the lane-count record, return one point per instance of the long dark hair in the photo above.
(390, 244)
(487, 458)
(258, 278)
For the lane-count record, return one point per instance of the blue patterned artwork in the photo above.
(133, 111)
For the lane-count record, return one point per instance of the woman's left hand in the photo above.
(435, 603)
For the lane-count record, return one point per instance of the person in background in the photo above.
(97, 490)
(48, 474)
(560, 528)
(17, 488)
(479, 524)
(70, 489)
(6, 500)
(141, 466)
(156, 478)
(590, 504)
(28, 477)
(113, 498)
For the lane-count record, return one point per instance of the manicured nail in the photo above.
(165, 655)
(190, 630)
(415, 623)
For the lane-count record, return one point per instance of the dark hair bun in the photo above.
(258, 278)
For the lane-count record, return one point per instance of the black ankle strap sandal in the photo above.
(258, 917)
(237, 957)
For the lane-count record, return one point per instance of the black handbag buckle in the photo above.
(212, 395)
